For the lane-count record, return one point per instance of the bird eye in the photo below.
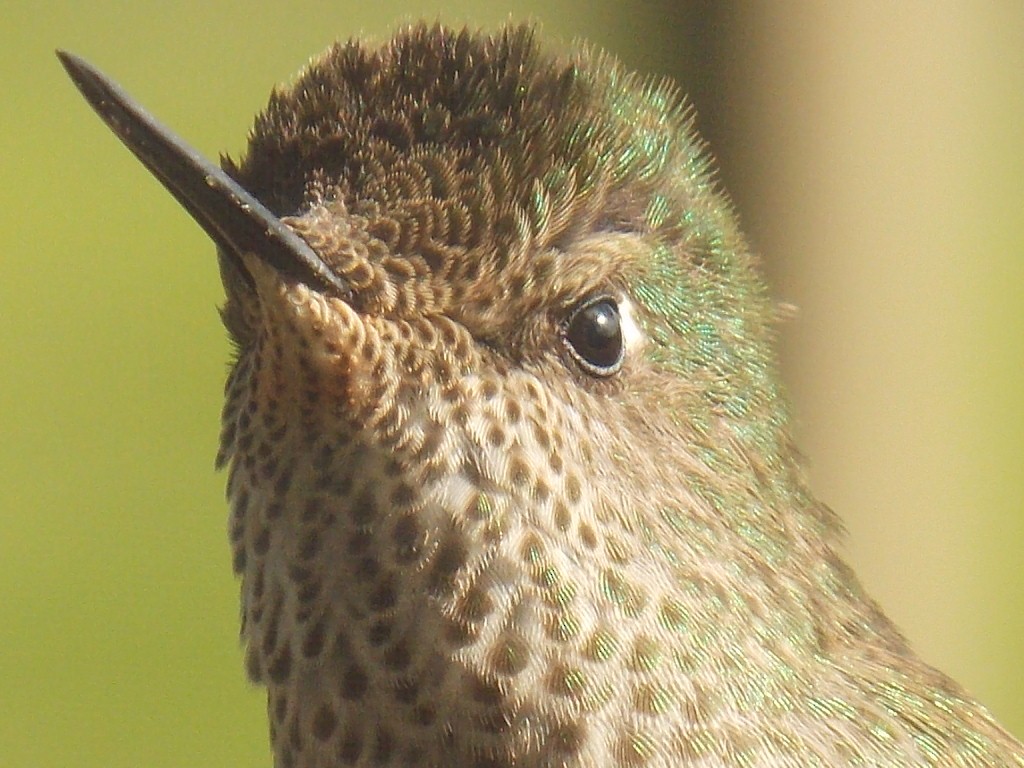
(593, 334)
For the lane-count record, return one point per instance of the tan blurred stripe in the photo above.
(868, 138)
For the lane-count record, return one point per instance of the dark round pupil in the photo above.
(596, 335)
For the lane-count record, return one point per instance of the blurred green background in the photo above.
(876, 157)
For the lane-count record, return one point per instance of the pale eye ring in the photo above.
(593, 335)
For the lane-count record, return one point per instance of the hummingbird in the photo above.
(511, 476)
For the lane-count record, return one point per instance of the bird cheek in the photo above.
(368, 367)
(317, 346)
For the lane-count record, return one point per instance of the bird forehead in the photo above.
(435, 113)
(494, 290)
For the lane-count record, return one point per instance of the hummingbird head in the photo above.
(510, 473)
(549, 379)
(556, 215)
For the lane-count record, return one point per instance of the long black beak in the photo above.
(237, 221)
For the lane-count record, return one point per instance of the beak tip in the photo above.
(72, 64)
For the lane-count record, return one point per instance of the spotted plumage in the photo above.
(523, 492)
